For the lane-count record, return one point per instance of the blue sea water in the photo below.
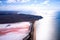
(58, 24)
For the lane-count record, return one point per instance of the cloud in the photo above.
(0, 1)
(46, 2)
(11, 1)
(22, 1)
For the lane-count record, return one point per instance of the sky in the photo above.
(29, 1)
(39, 6)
